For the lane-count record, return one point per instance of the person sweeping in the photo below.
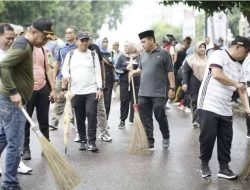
(154, 67)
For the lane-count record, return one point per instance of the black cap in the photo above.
(83, 35)
(147, 33)
(243, 41)
(44, 25)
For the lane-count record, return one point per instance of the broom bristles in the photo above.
(138, 143)
(64, 174)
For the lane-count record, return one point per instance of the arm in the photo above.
(98, 77)
(186, 76)
(65, 71)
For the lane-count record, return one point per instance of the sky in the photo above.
(139, 17)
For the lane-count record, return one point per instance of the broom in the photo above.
(138, 143)
(67, 117)
(246, 171)
(65, 176)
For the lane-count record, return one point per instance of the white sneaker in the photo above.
(1, 172)
(187, 110)
(77, 138)
(104, 136)
(23, 169)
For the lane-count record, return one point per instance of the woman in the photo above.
(102, 43)
(193, 72)
(129, 59)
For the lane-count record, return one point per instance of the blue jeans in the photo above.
(12, 124)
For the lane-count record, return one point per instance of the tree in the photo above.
(90, 15)
(215, 6)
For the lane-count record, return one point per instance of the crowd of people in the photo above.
(36, 71)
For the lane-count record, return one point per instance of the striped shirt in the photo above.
(213, 95)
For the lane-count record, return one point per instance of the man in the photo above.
(82, 69)
(70, 36)
(7, 36)
(43, 93)
(222, 77)
(154, 66)
(16, 88)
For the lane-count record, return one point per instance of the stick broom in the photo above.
(65, 176)
(138, 143)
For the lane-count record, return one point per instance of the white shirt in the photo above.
(213, 95)
(85, 72)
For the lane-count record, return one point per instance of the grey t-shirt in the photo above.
(154, 68)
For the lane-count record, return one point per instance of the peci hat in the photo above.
(44, 25)
(147, 33)
(83, 35)
(243, 41)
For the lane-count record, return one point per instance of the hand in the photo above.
(53, 96)
(184, 87)
(17, 100)
(99, 95)
(240, 86)
(129, 67)
(171, 93)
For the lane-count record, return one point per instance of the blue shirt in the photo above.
(61, 56)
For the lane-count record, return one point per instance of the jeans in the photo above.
(12, 123)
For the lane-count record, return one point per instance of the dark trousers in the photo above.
(193, 104)
(248, 122)
(127, 101)
(86, 106)
(146, 107)
(40, 101)
(108, 92)
(214, 126)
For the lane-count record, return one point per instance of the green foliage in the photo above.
(162, 28)
(90, 15)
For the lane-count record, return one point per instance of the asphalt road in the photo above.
(112, 168)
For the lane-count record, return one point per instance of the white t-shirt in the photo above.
(213, 95)
(85, 75)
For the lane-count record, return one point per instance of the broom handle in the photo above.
(32, 124)
(133, 88)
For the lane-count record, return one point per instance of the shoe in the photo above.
(205, 171)
(181, 107)
(151, 146)
(196, 125)
(23, 169)
(92, 147)
(187, 110)
(11, 187)
(77, 138)
(1, 172)
(165, 143)
(227, 174)
(121, 125)
(53, 127)
(248, 135)
(104, 136)
(83, 146)
(26, 154)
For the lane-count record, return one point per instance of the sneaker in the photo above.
(227, 174)
(53, 127)
(26, 154)
(181, 107)
(11, 187)
(187, 110)
(1, 172)
(92, 147)
(196, 125)
(23, 169)
(151, 146)
(83, 146)
(121, 125)
(165, 143)
(104, 136)
(77, 138)
(205, 171)
(248, 135)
